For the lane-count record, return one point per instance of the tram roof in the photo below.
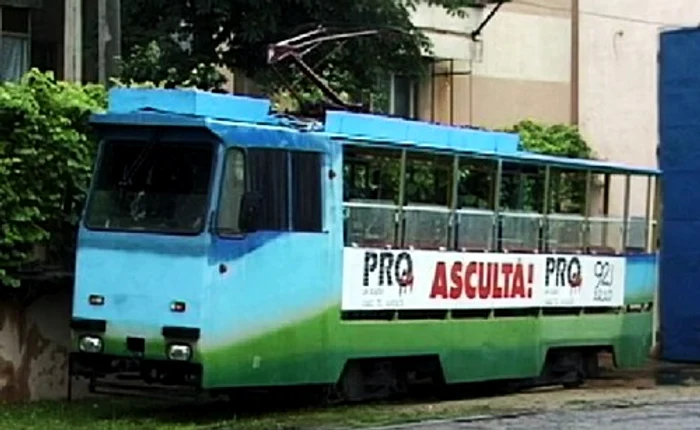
(583, 164)
(219, 111)
(400, 133)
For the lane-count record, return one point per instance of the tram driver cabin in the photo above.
(224, 247)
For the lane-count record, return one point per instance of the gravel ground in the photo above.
(667, 397)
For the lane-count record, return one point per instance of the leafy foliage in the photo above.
(148, 64)
(559, 139)
(235, 34)
(568, 188)
(46, 154)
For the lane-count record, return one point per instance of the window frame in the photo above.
(246, 186)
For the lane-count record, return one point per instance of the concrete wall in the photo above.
(618, 80)
(34, 349)
(525, 70)
(520, 69)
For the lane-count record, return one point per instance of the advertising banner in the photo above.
(375, 279)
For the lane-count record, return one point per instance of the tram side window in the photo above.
(476, 182)
(232, 189)
(371, 180)
(270, 177)
(428, 185)
(371, 175)
(568, 191)
(522, 188)
(428, 179)
(307, 207)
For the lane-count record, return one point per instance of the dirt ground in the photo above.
(659, 396)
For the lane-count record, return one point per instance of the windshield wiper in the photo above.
(136, 165)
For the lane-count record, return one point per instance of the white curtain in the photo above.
(14, 57)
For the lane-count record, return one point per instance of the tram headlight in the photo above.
(179, 352)
(90, 344)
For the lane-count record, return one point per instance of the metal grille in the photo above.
(370, 224)
(520, 230)
(426, 227)
(475, 229)
(606, 233)
(565, 232)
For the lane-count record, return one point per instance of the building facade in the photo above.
(43, 34)
(617, 89)
(519, 67)
(60, 36)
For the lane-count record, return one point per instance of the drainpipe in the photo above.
(575, 41)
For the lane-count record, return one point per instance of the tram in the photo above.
(226, 247)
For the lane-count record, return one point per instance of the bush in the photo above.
(46, 156)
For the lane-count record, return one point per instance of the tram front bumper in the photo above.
(92, 337)
(104, 367)
(169, 359)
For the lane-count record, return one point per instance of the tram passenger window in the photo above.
(521, 204)
(269, 176)
(427, 194)
(307, 208)
(371, 175)
(476, 181)
(232, 189)
(568, 191)
(522, 188)
(428, 179)
(371, 179)
(475, 193)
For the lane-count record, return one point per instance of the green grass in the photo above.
(121, 414)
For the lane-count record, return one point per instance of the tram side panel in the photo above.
(679, 158)
(499, 326)
(268, 318)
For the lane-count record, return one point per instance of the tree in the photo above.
(235, 33)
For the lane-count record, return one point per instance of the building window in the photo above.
(15, 33)
(307, 201)
(403, 96)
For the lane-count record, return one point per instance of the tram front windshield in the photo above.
(159, 187)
